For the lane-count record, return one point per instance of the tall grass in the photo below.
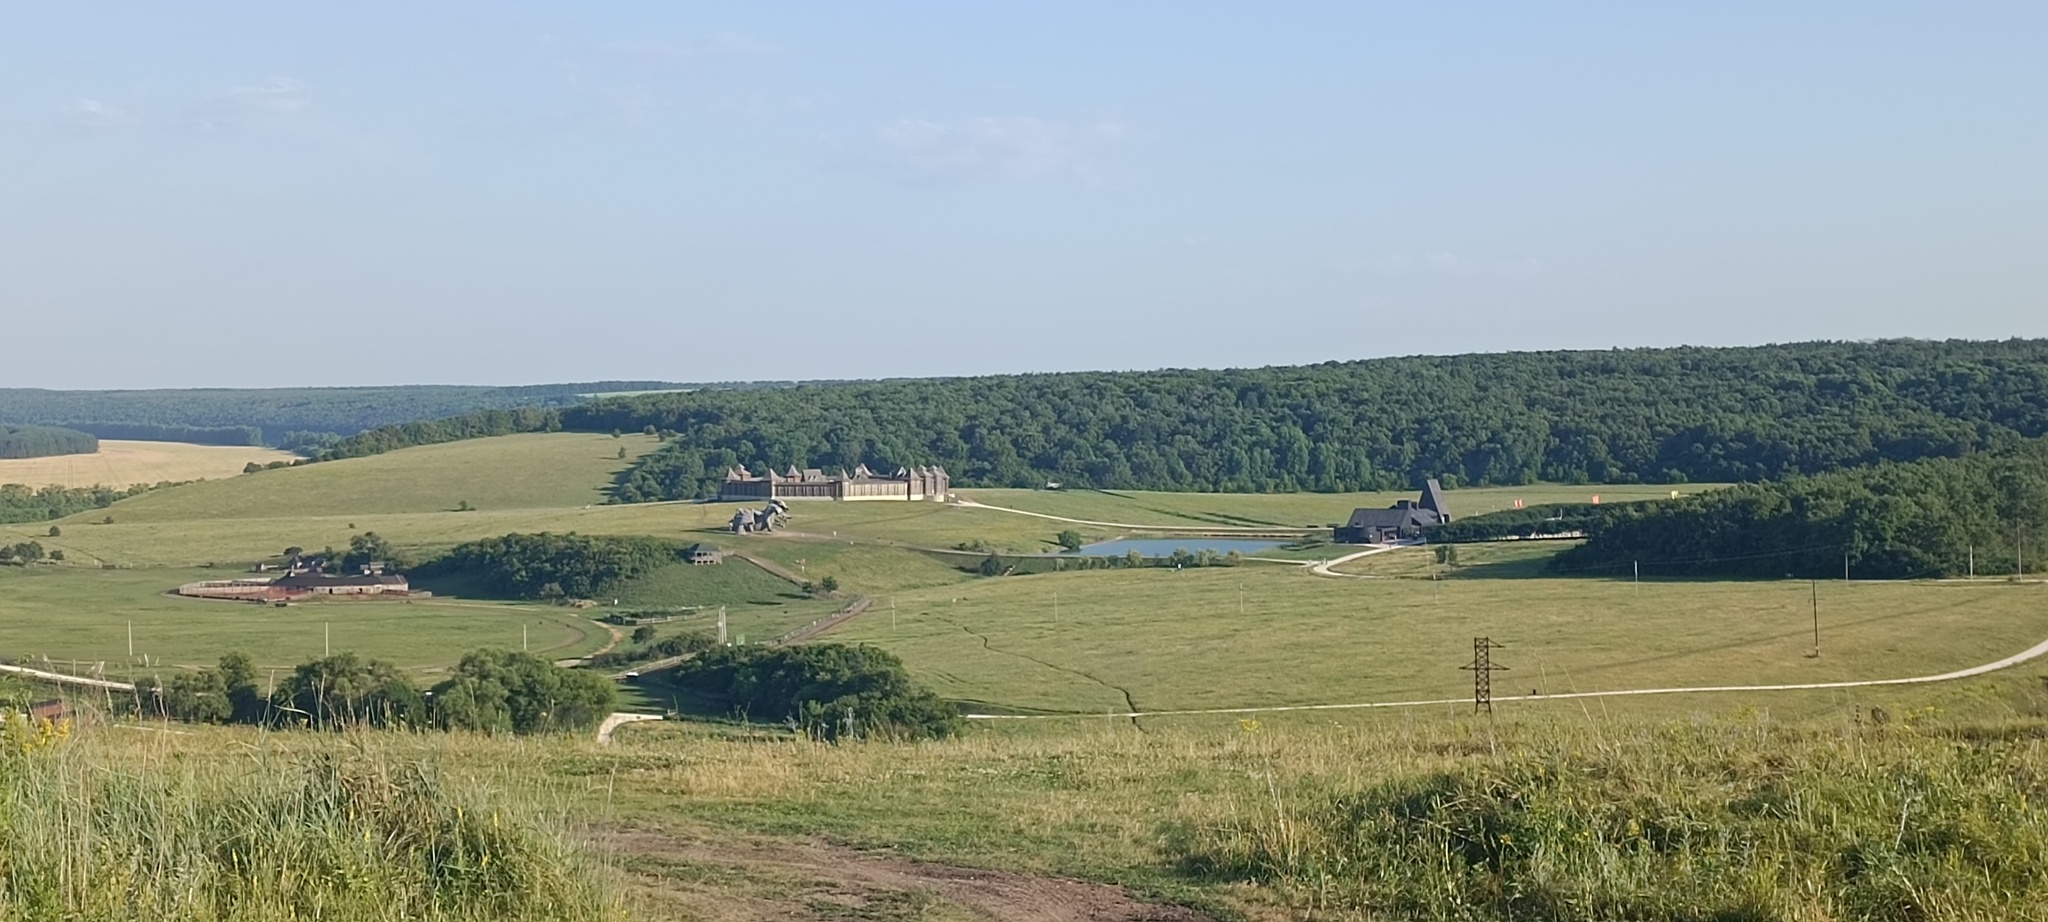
(1710, 821)
(94, 828)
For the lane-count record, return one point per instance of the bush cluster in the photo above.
(490, 691)
(829, 691)
(549, 566)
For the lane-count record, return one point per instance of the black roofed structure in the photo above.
(1403, 521)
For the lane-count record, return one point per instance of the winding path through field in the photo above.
(1323, 569)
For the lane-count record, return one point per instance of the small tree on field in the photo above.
(56, 532)
(252, 467)
(643, 633)
(622, 453)
(992, 566)
(552, 592)
(647, 430)
(1071, 540)
(293, 551)
(830, 584)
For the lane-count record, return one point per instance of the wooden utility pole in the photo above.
(1482, 668)
(1816, 616)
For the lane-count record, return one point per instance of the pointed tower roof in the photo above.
(1433, 499)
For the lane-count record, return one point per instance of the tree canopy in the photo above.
(1633, 415)
(544, 565)
(1931, 518)
(45, 441)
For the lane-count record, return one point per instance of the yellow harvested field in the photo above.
(125, 463)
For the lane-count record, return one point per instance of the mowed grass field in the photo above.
(121, 464)
(68, 613)
(540, 470)
(1269, 635)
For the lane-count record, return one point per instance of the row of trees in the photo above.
(1644, 415)
(1986, 513)
(830, 691)
(20, 503)
(45, 441)
(550, 566)
(490, 691)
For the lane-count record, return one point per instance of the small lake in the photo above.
(1164, 547)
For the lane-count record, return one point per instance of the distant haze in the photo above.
(265, 194)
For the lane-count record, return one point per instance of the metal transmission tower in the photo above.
(1482, 668)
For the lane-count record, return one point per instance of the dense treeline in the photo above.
(549, 566)
(827, 690)
(1639, 415)
(19, 503)
(1931, 518)
(1529, 522)
(197, 435)
(275, 412)
(45, 441)
(490, 691)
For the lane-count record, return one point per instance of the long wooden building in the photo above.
(908, 484)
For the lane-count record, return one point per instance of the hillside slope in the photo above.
(532, 471)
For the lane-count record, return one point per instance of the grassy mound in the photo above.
(1700, 822)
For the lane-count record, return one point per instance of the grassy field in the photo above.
(509, 472)
(758, 604)
(121, 464)
(1260, 819)
(65, 614)
(1253, 636)
(1254, 815)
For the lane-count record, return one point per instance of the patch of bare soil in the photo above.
(755, 879)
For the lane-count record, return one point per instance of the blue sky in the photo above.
(279, 194)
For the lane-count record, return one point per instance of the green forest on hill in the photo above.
(44, 441)
(1939, 517)
(1646, 415)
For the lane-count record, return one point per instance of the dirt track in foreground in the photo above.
(747, 880)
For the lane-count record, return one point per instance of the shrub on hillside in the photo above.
(19, 503)
(829, 691)
(508, 692)
(345, 690)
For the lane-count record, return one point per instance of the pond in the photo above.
(1164, 547)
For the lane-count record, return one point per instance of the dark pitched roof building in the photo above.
(1404, 520)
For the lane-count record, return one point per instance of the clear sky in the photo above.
(268, 194)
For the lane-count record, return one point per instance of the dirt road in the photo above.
(748, 880)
